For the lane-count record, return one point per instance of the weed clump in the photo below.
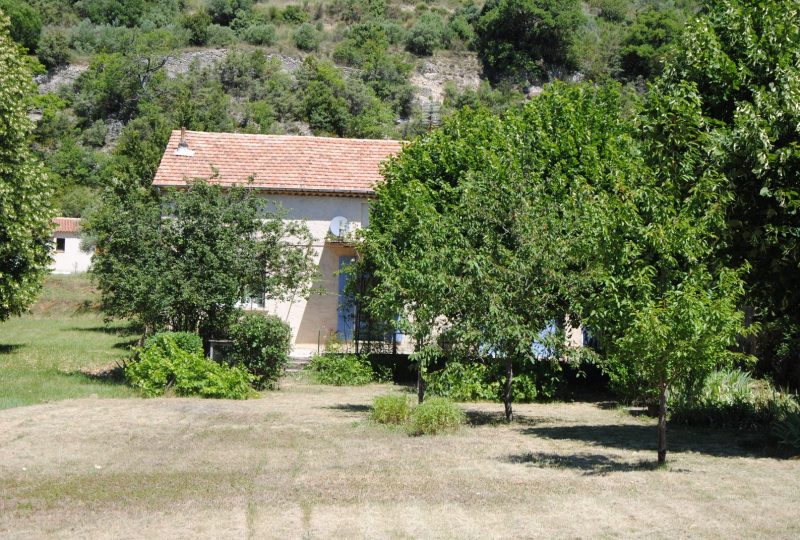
(392, 409)
(435, 415)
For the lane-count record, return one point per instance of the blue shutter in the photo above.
(346, 313)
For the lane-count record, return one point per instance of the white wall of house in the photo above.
(72, 260)
(314, 319)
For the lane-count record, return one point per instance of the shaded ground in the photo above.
(303, 462)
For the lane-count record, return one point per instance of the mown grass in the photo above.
(48, 354)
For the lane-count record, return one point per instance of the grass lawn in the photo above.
(305, 462)
(43, 355)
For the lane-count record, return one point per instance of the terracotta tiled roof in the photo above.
(67, 224)
(277, 162)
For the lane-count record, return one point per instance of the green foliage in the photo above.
(26, 24)
(146, 267)
(294, 14)
(428, 34)
(742, 58)
(523, 39)
(53, 49)
(220, 36)
(259, 34)
(113, 12)
(25, 189)
(261, 344)
(223, 12)
(306, 37)
(787, 430)
(341, 369)
(392, 409)
(476, 381)
(197, 24)
(434, 416)
(165, 367)
(186, 341)
(648, 40)
(733, 398)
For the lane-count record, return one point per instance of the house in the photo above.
(326, 182)
(68, 257)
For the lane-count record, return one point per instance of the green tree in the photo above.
(647, 41)
(26, 24)
(187, 270)
(25, 224)
(742, 57)
(666, 310)
(525, 39)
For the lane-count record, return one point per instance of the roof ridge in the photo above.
(288, 136)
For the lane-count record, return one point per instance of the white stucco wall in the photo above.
(312, 320)
(72, 260)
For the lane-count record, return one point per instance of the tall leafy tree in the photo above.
(188, 268)
(25, 193)
(743, 57)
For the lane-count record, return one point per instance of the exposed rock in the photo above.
(50, 82)
(431, 74)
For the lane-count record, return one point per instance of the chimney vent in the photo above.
(183, 146)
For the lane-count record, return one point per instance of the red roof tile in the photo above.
(67, 224)
(277, 162)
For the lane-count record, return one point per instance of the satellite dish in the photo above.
(338, 226)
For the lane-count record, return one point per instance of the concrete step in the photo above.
(297, 363)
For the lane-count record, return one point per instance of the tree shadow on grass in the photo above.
(110, 374)
(8, 348)
(714, 442)
(485, 418)
(350, 407)
(589, 464)
(126, 330)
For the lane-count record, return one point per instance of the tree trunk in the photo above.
(662, 424)
(507, 394)
(420, 383)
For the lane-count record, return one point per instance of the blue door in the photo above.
(347, 309)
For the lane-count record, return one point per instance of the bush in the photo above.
(53, 50)
(393, 409)
(25, 22)
(294, 14)
(259, 34)
(787, 430)
(428, 34)
(113, 12)
(197, 24)
(435, 415)
(306, 37)
(733, 398)
(220, 36)
(341, 369)
(224, 11)
(261, 344)
(163, 366)
(186, 341)
(475, 381)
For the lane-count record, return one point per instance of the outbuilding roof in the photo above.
(67, 225)
(281, 163)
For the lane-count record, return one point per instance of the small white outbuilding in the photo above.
(68, 257)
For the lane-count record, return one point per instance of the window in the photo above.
(61, 244)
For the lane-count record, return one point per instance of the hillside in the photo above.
(115, 77)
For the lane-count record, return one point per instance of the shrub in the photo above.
(220, 36)
(113, 12)
(787, 430)
(294, 14)
(197, 24)
(393, 409)
(261, 344)
(163, 366)
(186, 341)
(435, 415)
(224, 11)
(26, 24)
(733, 398)
(259, 34)
(428, 34)
(306, 37)
(341, 369)
(53, 49)
(475, 381)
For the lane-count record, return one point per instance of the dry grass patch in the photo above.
(305, 462)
